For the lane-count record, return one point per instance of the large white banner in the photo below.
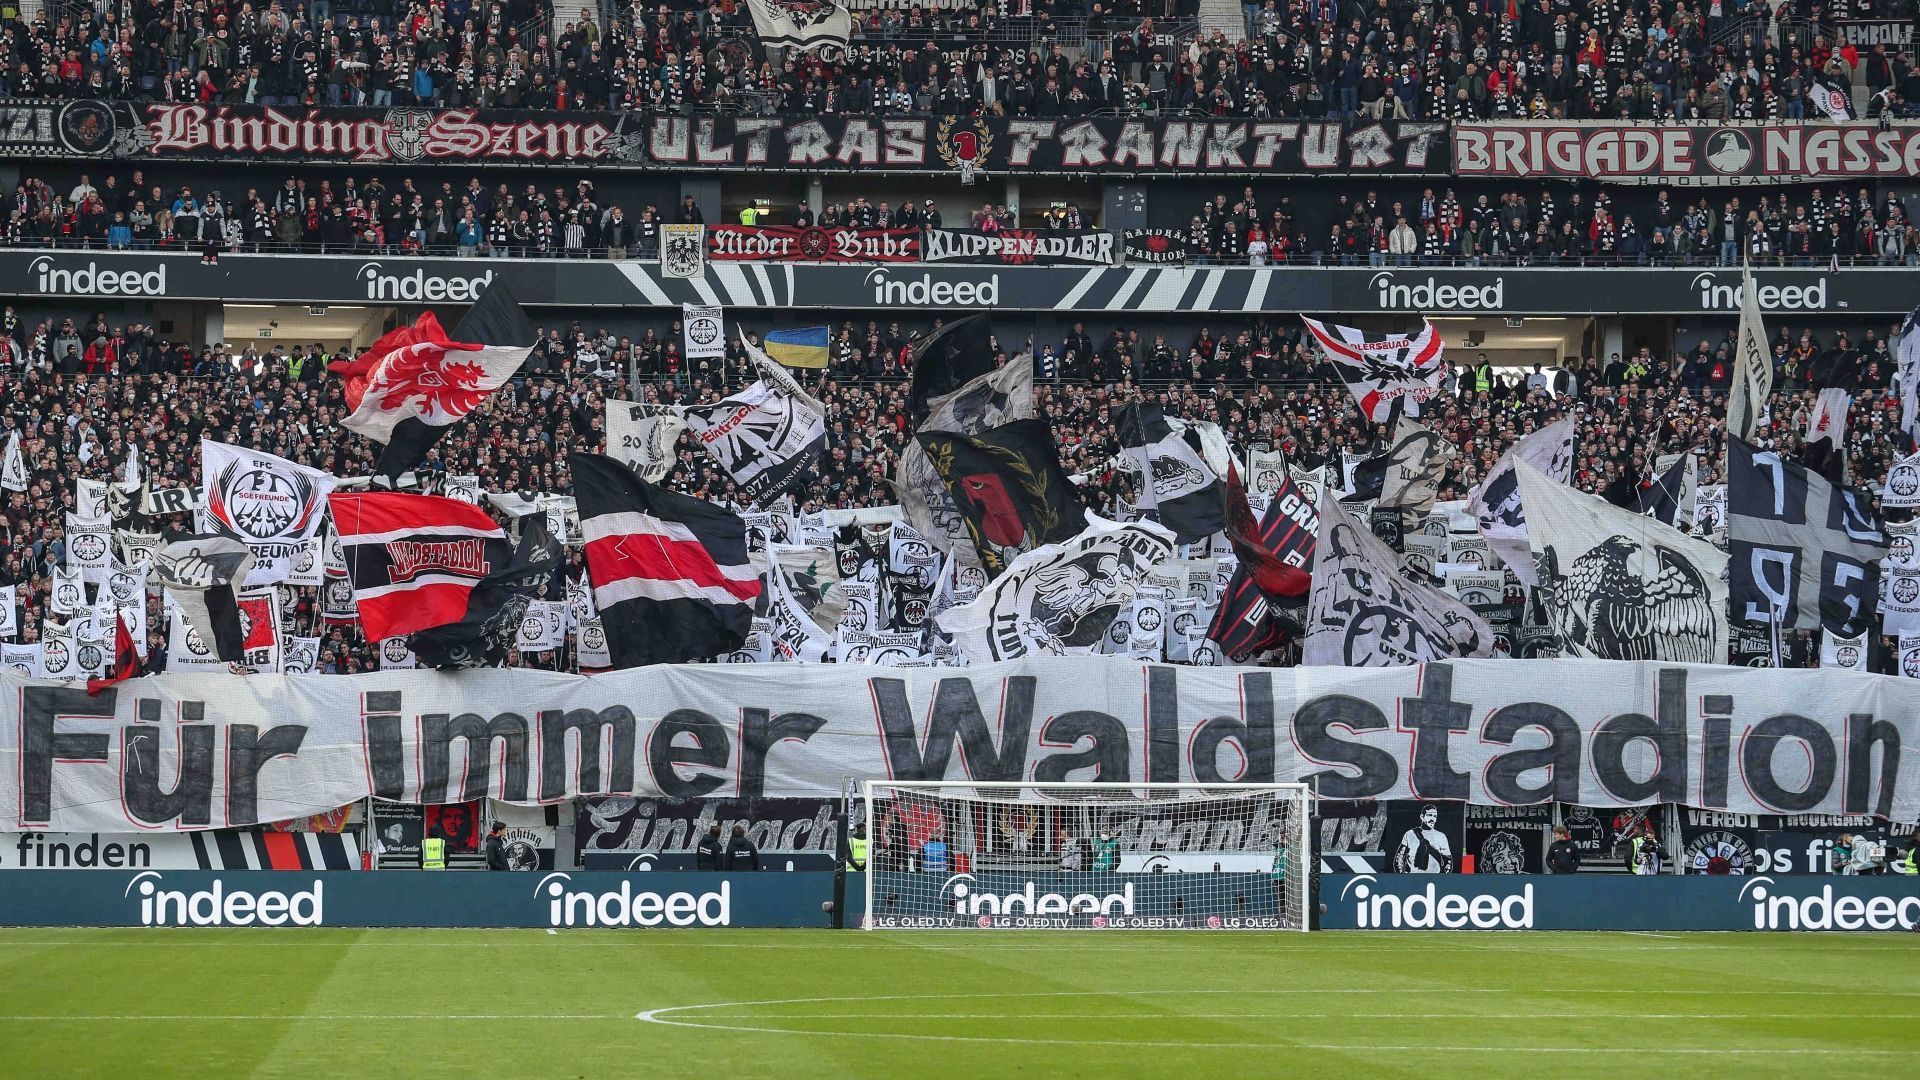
(213, 750)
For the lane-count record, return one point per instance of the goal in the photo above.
(961, 854)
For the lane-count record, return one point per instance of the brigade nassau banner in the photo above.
(1684, 154)
(177, 131)
(208, 751)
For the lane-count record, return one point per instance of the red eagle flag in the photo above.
(414, 560)
(416, 382)
(126, 661)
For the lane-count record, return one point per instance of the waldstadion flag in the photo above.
(804, 348)
(496, 607)
(414, 559)
(416, 382)
(1398, 367)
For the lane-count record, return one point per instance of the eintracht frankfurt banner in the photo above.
(268, 503)
(1482, 731)
(762, 436)
(1400, 367)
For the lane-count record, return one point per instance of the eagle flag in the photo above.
(1399, 367)
(202, 575)
(671, 575)
(414, 560)
(1170, 477)
(1008, 486)
(414, 383)
(948, 359)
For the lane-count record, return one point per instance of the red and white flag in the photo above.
(414, 559)
(1381, 371)
(414, 383)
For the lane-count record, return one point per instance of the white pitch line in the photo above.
(224, 1017)
(1133, 1017)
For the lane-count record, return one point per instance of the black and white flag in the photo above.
(1907, 364)
(89, 547)
(13, 474)
(1806, 553)
(1846, 653)
(642, 437)
(1670, 497)
(1416, 466)
(90, 497)
(1496, 504)
(703, 330)
(1902, 489)
(1752, 365)
(1825, 451)
(201, 576)
(1620, 585)
(805, 25)
(1362, 613)
(998, 397)
(764, 436)
(1059, 598)
(1170, 478)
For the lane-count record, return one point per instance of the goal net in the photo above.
(1095, 856)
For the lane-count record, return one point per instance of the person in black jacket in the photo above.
(741, 854)
(707, 854)
(1562, 856)
(497, 847)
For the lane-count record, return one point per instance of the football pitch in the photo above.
(739, 1003)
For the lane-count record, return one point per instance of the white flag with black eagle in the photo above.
(1408, 368)
(1416, 466)
(272, 505)
(1621, 585)
(1495, 503)
(1362, 613)
(802, 24)
(13, 474)
(1059, 598)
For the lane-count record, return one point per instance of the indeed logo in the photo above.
(421, 285)
(1716, 296)
(1430, 295)
(218, 905)
(926, 289)
(1825, 911)
(1428, 910)
(967, 900)
(624, 907)
(90, 280)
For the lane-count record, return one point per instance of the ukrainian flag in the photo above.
(804, 348)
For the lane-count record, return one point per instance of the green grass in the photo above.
(736, 1003)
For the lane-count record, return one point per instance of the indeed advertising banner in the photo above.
(1591, 902)
(411, 898)
(188, 752)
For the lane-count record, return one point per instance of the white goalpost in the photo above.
(960, 854)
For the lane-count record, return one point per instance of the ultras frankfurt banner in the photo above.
(161, 131)
(209, 751)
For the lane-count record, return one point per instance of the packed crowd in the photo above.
(1397, 226)
(1256, 380)
(1644, 59)
(1561, 226)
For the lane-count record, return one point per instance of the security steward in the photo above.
(433, 851)
(857, 849)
